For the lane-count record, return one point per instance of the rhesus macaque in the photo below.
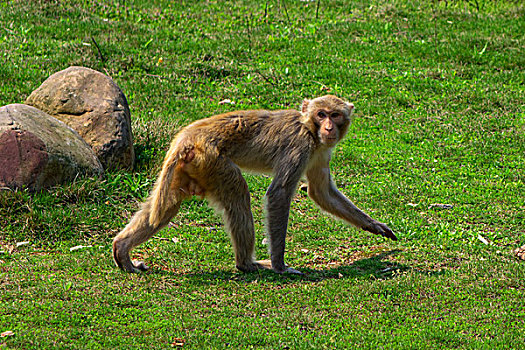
(520, 252)
(205, 160)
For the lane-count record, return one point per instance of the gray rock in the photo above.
(37, 150)
(92, 104)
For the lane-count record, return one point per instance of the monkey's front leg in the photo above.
(345, 209)
(278, 210)
(323, 191)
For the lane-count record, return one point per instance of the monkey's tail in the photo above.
(161, 198)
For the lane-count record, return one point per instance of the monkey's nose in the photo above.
(351, 106)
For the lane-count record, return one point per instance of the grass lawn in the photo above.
(439, 88)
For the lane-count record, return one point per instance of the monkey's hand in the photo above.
(378, 228)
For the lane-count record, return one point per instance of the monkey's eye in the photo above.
(337, 117)
(321, 114)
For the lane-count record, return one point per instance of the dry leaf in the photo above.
(227, 101)
(178, 342)
(483, 239)
(78, 247)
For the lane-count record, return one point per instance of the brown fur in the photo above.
(205, 159)
(520, 252)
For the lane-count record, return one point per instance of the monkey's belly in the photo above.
(253, 167)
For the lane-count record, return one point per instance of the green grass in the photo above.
(439, 91)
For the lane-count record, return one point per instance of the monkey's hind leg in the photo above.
(163, 204)
(136, 232)
(231, 196)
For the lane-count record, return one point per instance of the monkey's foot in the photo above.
(134, 266)
(291, 271)
(139, 266)
(264, 264)
(267, 264)
(252, 267)
(121, 258)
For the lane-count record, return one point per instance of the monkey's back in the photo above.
(255, 140)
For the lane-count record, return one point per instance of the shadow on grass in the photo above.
(371, 267)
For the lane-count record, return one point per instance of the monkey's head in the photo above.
(331, 117)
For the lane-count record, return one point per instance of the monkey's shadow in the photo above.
(374, 266)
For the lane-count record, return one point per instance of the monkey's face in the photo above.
(329, 124)
(331, 115)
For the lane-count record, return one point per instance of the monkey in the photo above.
(206, 157)
(520, 252)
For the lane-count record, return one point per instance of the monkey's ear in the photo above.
(306, 103)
